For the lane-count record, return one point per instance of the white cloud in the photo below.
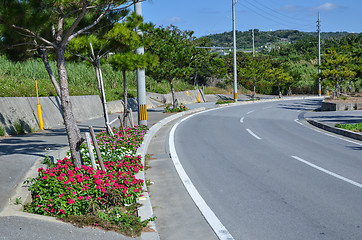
(174, 20)
(327, 7)
(291, 8)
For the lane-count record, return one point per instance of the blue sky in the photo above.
(206, 17)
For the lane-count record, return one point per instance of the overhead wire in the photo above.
(267, 15)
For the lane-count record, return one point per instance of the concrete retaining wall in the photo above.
(24, 109)
(347, 106)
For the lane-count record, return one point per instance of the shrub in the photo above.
(2, 130)
(170, 109)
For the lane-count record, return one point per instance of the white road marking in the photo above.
(328, 172)
(250, 111)
(350, 141)
(206, 211)
(297, 121)
(267, 107)
(242, 119)
(253, 134)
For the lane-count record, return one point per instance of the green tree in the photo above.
(335, 69)
(279, 78)
(253, 70)
(175, 50)
(52, 24)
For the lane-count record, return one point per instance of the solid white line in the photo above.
(328, 172)
(253, 134)
(209, 215)
(242, 119)
(250, 111)
(346, 140)
(297, 121)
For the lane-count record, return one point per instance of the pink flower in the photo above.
(80, 198)
(46, 209)
(88, 197)
(45, 177)
(61, 195)
(74, 193)
(70, 200)
(37, 196)
(61, 211)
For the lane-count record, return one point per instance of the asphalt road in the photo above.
(267, 175)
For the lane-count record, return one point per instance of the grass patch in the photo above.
(352, 127)
(224, 101)
(17, 80)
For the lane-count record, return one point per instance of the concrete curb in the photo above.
(339, 131)
(146, 212)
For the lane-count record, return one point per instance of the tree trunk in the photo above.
(73, 132)
(280, 93)
(254, 92)
(44, 57)
(98, 69)
(125, 98)
(174, 103)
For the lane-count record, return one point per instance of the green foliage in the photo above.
(174, 50)
(170, 109)
(336, 68)
(352, 127)
(220, 101)
(2, 130)
(20, 127)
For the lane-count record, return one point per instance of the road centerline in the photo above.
(242, 119)
(328, 172)
(253, 134)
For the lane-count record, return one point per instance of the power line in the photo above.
(271, 17)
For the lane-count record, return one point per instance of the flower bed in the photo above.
(65, 191)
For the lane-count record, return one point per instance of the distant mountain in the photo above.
(262, 38)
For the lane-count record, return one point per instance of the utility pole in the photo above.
(253, 43)
(141, 77)
(235, 69)
(319, 55)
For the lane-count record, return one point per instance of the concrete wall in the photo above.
(24, 109)
(342, 106)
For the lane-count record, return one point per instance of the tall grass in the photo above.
(17, 79)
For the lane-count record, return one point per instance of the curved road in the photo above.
(266, 175)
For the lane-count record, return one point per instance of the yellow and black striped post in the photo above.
(142, 109)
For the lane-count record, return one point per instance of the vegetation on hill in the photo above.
(264, 38)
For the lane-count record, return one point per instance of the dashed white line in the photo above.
(250, 111)
(328, 172)
(253, 134)
(242, 119)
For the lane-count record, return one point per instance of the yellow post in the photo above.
(198, 95)
(41, 125)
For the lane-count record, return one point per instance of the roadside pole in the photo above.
(141, 76)
(235, 68)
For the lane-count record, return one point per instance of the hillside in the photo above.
(262, 38)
